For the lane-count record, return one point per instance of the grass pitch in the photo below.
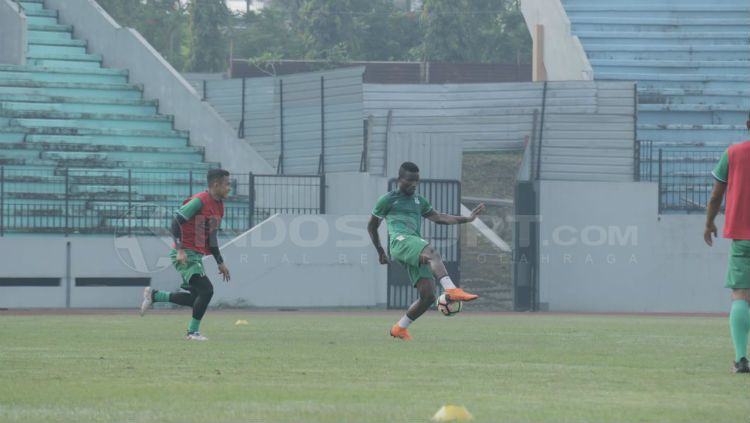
(342, 367)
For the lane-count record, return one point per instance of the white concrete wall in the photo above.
(355, 194)
(564, 57)
(124, 48)
(302, 261)
(12, 33)
(288, 261)
(604, 248)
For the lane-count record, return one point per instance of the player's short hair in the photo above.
(215, 175)
(407, 167)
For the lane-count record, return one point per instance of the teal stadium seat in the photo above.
(81, 150)
(691, 62)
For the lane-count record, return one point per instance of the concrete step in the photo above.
(658, 10)
(76, 124)
(35, 69)
(663, 24)
(700, 114)
(186, 153)
(59, 75)
(615, 38)
(43, 20)
(72, 160)
(56, 36)
(47, 41)
(34, 98)
(60, 28)
(169, 139)
(72, 107)
(64, 63)
(665, 67)
(97, 132)
(653, 95)
(70, 90)
(65, 115)
(40, 12)
(66, 57)
(666, 52)
(132, 155)
(86, 61)
(32, 5)
(715, 134)
(682, 81)
(133, 141)
(42, 49)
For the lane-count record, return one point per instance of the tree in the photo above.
(474, 31)
(209, 20)
(163, 23)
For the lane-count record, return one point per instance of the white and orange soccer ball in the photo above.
(447, 307)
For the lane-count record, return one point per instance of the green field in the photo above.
(342, 367)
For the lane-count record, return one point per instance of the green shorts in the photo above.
(738, 273)
(406, 250)
(194, 266)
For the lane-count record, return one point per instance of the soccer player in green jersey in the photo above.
(403, 210)
(195, 229)
(732, 176)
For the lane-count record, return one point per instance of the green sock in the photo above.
(195, 325)
(161, 296)
(739, 323)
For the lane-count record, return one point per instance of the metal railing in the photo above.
(123, 201)
(682, 173)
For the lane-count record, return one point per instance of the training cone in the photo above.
(448, 413)
(241, 323)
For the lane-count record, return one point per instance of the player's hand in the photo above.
(710, 229)
(477, 210)
(383, 258)
(181, 256)
(224, 272)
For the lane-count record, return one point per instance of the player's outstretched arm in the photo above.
(448, 219)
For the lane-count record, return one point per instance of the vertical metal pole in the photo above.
(68, 281)
(241, 130)
(322, 163)
(280, 166)
(660, 182)
(322, 204)
(636, 144)
(191, 184)
(531, 149)
(2, 200)
(67, 199)
(541, 133)
(203, 98)
(130, 201)
(250, 199)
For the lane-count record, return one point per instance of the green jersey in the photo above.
(402, 212)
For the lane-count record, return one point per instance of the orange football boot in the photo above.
(458, 294)
(399, 332)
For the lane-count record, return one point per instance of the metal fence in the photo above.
(683, 174)
(71, 200)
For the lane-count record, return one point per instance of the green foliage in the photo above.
(162, 22)
(196, 35)
(209, 20)
(474, 31)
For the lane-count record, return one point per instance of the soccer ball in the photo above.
(447, 307)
